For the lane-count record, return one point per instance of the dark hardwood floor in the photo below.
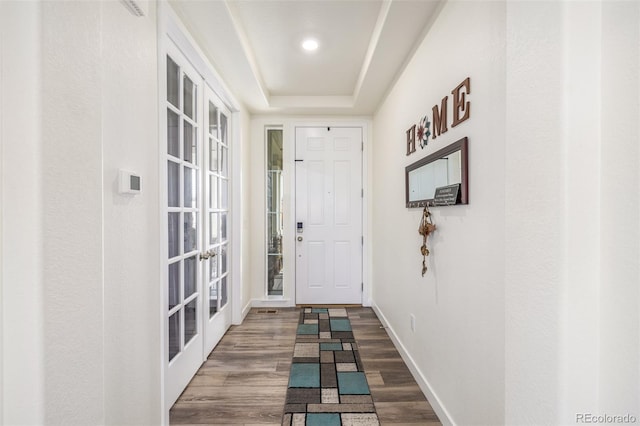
(396, 395)
(244, 380)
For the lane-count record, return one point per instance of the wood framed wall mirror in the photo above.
(447, 167)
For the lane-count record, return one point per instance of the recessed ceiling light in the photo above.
(310, 45)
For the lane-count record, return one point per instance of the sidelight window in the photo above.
(274, 212)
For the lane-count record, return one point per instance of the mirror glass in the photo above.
(445, 167)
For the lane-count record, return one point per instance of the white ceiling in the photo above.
(255, 45)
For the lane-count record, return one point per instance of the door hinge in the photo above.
(362, 146)
(361, 286)
(362, 240)
(362, 193)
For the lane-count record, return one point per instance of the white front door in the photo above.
(328, 215)
(196, 289)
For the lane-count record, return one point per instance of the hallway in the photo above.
(169, 168)
(244, 380)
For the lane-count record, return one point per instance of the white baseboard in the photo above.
(426, 388)
(272, 303)
(263, 303)
(246, 309)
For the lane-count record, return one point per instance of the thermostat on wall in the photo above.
(129, 183)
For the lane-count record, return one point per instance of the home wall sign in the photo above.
(460, 113)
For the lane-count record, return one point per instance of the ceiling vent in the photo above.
(136, 7)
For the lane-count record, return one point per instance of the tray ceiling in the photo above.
(255, 45)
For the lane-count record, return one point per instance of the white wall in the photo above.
(458, 345)
(82, 342)
(619, 295)
(529, 312)
(534, 200)
(73, 234)
(100, 104)
(21, 261)
(245, 150)
(131, 223)
(572, 342)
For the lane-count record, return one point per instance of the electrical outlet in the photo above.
(413, 322)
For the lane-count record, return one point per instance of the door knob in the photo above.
(299, 238)
(208, 254)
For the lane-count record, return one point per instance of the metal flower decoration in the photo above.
(423, 132)
(426, 228)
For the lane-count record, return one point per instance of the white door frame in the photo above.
(171, 30)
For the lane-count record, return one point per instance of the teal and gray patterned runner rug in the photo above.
(327, 384)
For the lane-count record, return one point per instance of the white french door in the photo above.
(184, 331)
(328, 215)
(197, 207)
(217, 312)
